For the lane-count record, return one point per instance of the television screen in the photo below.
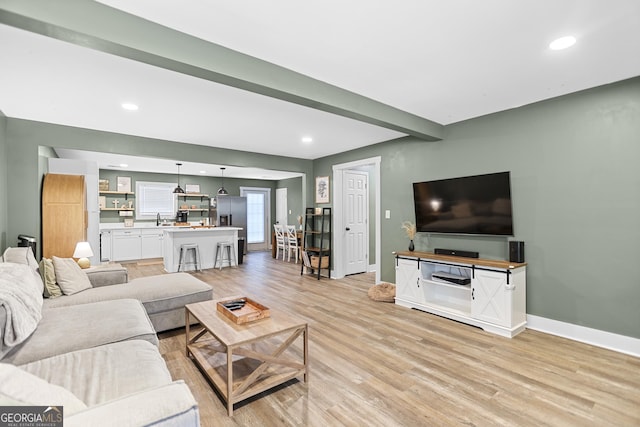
(479, 204)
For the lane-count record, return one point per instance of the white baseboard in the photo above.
(372, 268)
(608, 340)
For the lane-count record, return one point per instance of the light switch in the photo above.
(289, 211)
(387, 214)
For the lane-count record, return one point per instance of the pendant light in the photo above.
(178, 189)
(221, 190)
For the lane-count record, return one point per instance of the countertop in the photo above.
(139, 225)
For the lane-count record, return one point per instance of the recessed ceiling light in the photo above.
(562, 43)
(124, 165)
(129, 106)
(307, 139)
(203, 171)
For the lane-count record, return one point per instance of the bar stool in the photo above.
(220, 250)
(185, 249)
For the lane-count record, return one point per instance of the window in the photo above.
(153, 198)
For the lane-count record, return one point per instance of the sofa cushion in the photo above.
(70, 276)
(19, 387)
(171, 405)
(67, 329)
(48, 274)
(107, 275)
(105, 373)
(159, 293)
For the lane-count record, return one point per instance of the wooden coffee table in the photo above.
(244, 360)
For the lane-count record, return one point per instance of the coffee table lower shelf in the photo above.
(248, 367)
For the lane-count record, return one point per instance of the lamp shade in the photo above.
(83, 252)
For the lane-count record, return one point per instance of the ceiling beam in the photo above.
(100, 27)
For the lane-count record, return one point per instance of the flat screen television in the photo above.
(479, 204)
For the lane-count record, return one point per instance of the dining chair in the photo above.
(292, 243)
(281, 240)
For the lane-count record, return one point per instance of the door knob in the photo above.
(347, 229)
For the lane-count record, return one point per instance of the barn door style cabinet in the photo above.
(489, 294)
(64, 214)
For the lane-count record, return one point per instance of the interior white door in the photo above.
(356, 212)
(282, 216)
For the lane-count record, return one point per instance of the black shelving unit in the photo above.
(316, 254)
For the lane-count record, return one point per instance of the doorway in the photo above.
(258, 217)
(340, 242)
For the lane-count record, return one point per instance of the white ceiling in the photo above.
(446, 61)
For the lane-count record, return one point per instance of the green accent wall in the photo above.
(575, 185)
(3, 183)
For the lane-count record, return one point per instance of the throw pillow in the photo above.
(48, 274)
(70, 276)
(20, 386)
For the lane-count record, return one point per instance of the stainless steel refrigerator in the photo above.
(230, 211)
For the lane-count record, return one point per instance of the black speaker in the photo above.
(456, 252)
(516, 251)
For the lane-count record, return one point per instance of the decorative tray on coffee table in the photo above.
(242, 310)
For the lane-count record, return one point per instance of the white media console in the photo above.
(495, 300)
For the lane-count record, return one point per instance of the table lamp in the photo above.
(83, 252)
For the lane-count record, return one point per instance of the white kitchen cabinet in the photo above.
(126, 245)
(151, 243)
(493, 296)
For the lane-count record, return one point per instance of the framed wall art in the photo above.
(124, 184)
(322, 189)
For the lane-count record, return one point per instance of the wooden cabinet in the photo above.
(489, 294)
(64, 214)
(316, 241)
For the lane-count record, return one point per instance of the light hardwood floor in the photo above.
(377, 364)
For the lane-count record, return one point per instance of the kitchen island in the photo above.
(207, 238)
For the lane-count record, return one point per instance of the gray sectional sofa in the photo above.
(94, 353)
